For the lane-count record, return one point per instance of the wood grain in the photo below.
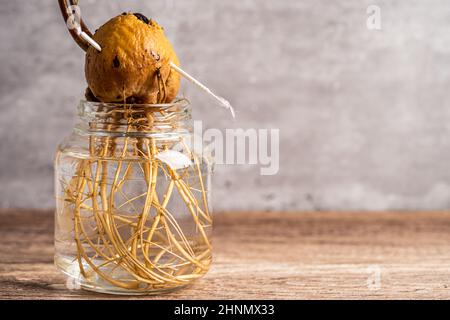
(267, 256)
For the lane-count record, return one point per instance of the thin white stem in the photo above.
(222, 101)
(86, 37)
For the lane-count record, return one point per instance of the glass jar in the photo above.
(133, 196)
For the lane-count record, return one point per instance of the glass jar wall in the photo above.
(133, 213)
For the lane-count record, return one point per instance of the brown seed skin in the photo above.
(127, 67)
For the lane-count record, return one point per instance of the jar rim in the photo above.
(179, 102)
(98, 118)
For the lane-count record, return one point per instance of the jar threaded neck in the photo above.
(135, 120)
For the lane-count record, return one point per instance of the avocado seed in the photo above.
(134, 64)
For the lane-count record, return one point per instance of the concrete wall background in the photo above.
(364, 115)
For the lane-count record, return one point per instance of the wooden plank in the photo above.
(267, 256)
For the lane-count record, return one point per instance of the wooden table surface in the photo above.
(267, 256)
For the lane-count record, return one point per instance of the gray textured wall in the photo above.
(364, 115)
